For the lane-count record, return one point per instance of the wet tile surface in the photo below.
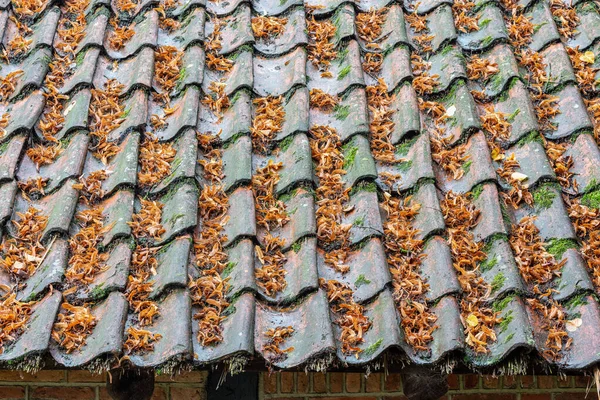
(164, 101)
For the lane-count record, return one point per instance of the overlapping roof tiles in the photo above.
(309, 184)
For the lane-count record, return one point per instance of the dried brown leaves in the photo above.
(167, 71)
(14, 316)
(147, 222)
(107, 114)
(23, 253)
(479, 320)
(209, 290)
(267, 122)
(74, 324)
(321, 49)
(265, 27)
(155, 160)
(276, 337)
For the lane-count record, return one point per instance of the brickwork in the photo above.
(378, 386)
(82, 385)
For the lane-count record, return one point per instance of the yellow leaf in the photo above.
(588, 57)
(573, 324)
(518, 176)
(497, 155)
(472, 320)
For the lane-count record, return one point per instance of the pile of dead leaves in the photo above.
(120, 34)
(140, 340)
(168, 62)
(321, 49)
(265, 27)
(147, 222)
(107, 114)
(404, 252)
(561, 164)
(481, 68)
(86, 261)
(217, 100)
(8, 84)
(155, 160)
(90, 186)
(585, 72)
(267, 122)
(369, 26)
(479, 320)
(519, 192)
(208, 291)
(381, 124)
(14, 315)
(276, 337)
(23, 254)
(29, 8)
(322, 101)
(271, 275)
(465, 19)
(73, 326)
(350, 315)
(539, 268)
(565, 17)
(586, 221)
(326, 146)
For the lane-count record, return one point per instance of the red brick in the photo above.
(572, 396)
(353, 382)
(393, 383)
(490, 396)
(184, 377)
(286, 381)
(63, 393)
(453, 382)
(85, 376)
(471, 381)
(491, 382)
(545, 382)
(40, 377)
(545, 396)
(509, 381)
(302, 382)
(319, 383)
(284, 398)
(336, 382)
(527, 381)
(582, 381)
(399, 397)
(373, 383)
(187, 393)
(12, 392)
(160, 393)
(269, 382)
(565, 382)
(344, 398)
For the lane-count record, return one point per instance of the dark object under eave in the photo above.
(129, 384)
(423, 384)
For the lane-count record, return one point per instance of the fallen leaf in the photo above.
(472, 320)
(518, 176)
(573, 324)
(588, 57)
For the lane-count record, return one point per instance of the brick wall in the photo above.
(353, 386)
(82, 385)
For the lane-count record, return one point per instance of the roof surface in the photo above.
(353, 180)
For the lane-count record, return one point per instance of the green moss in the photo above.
(3, 147)
(286, 143)
(498, 282)
(557, 247)
(533, 136)
(484, 22)
(543, 197)
(369, 351)
(341, 112)
(591, 199)
(228, 268)
(236, 97)
(487, 41)
(282, 2)
(509, 337)
(364, 187)
(590, 186)
(80, 58)
(349, 157)
(511, 117)
(537, 27)
(296, 247)
(467, 166)
(403, 148)
(476, 191)
(447, 50)
(577, 301)
(341, 56)
(496, 81)
(125, 113)
(506, 320)
(360, 221)
(404, 166)
(361, 280)
(343, 72)
(500, 305)
(488, 264)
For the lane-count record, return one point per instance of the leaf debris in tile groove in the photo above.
(461, 217)
(209, 290)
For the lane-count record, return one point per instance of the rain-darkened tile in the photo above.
(289, 68)
(573, 116)
(293, 35)
(488, 34)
